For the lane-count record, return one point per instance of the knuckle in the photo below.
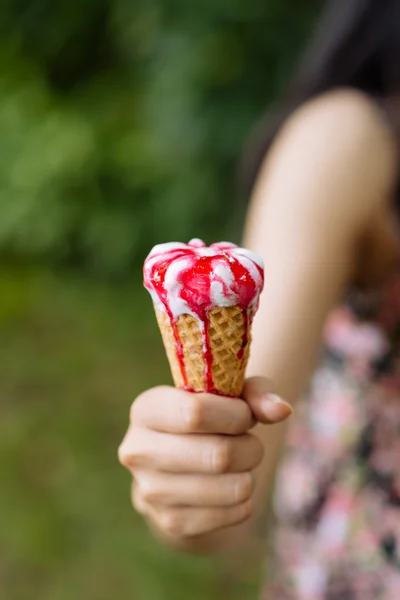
(244, 487)
(238, 426)
(171, 523)
(123, 454)
(130, 454)
(192, 410)
(221, 456)
(234, 426)
(149, 491)
(142, 401)
(138, 404)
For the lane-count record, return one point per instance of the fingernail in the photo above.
(277, 401)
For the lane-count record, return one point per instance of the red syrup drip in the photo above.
(158, 277)
(245, 336)
(195, 282)
(178, 347)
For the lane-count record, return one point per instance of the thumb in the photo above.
(266, 406)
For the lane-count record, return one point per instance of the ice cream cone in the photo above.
(205, 300)
(229, 340)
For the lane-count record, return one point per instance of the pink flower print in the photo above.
(362, 341)
(311, 580)
(300, 437)
(386, 455)
(391, 577)
(339, 318)
(296, 488)
(391, 412)
(325, 381)
(290, 544)
(383, 461)
(367, 584)
(366, 539)
(371, 498)
(336, 420)
(333, 527)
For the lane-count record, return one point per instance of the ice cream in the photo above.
(205, 300)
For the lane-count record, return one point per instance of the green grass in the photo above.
(73, 355)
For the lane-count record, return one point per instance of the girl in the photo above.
(323, 176)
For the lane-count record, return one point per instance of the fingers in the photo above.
(197, 453)
(191, 521)
(166, 489)
(193, 459)
(266, 406)
(169, 410)
(188, 522)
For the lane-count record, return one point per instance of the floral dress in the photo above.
(337, 500)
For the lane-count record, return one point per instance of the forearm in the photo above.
(308, 264)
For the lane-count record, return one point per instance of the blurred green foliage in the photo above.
(121, 122)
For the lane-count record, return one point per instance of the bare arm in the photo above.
(321, 192)
(319, 205)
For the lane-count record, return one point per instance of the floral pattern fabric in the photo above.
(337, 499)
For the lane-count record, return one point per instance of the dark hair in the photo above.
(356, 44)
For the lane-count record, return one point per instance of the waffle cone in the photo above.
(226, 329)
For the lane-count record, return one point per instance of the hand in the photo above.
(193, 458)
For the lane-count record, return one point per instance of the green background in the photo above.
(121, 124)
